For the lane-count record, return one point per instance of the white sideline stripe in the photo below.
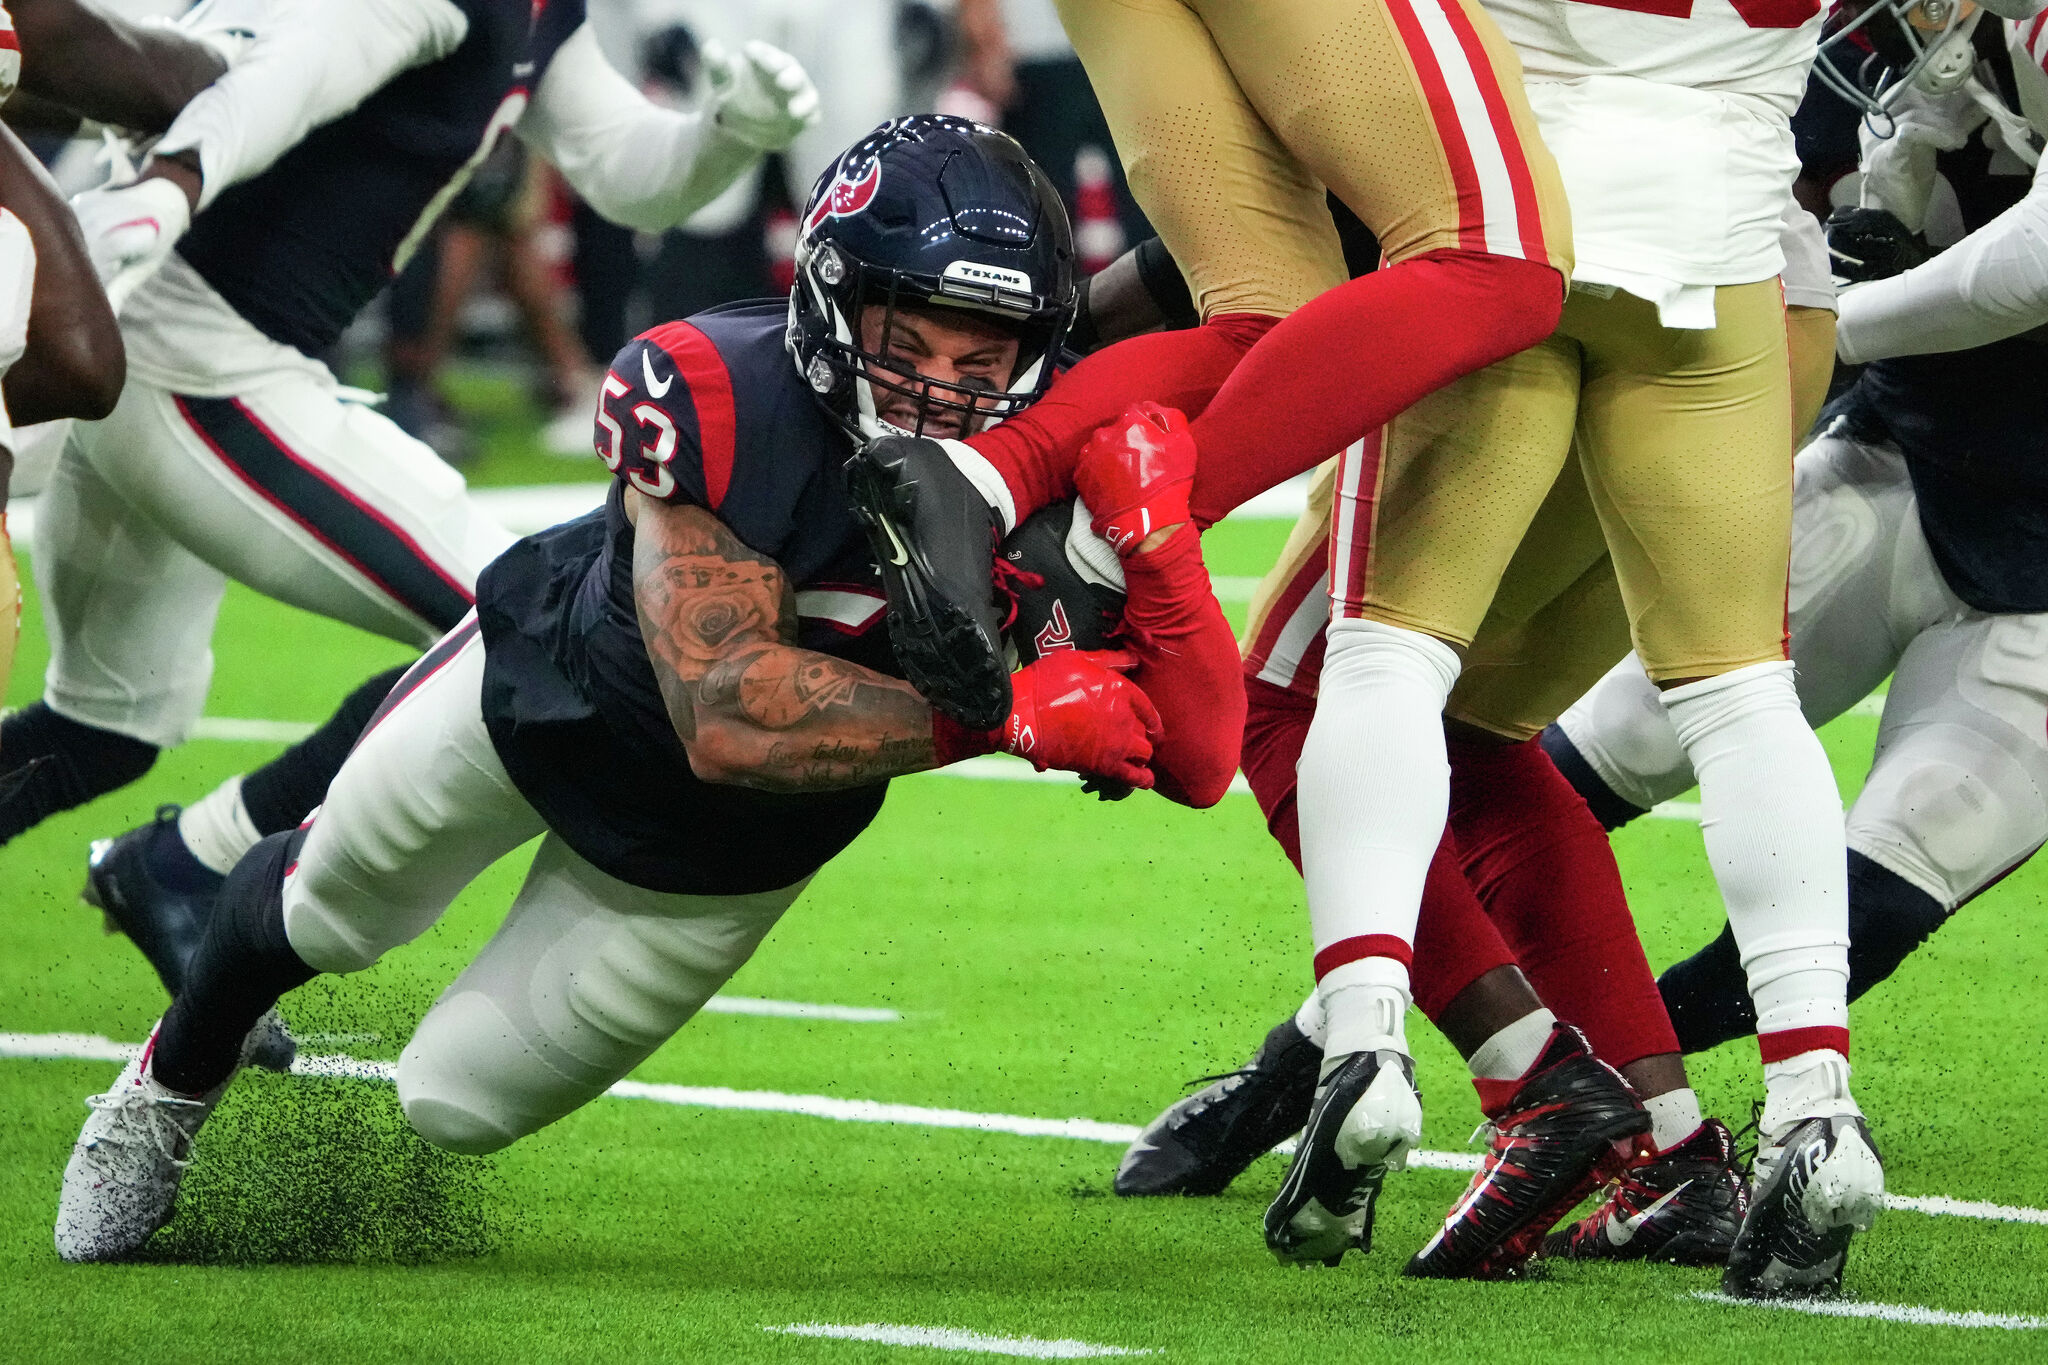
(953, 1339)
(799, 1009)
(91, 1047)
(1911, 1314)
(253, 731)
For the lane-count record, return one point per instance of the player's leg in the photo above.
(1859, 593)
(158, 882)
(1247, 226)
(129, 614)
(1413, 515)
(420, 808)
(319, 502)
(1683, 436)
(1412, 112)
(587, 976)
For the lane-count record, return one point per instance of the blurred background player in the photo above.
(694, 726)
(233, 451)
(1918, 531)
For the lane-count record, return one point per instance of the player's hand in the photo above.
(1871, 244)
(762, 96)
(1135, 475)
(1075, 710)
(129, 232)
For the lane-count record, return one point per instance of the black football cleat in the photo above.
(1681, 1207)
(1812, 1190)
(166, 924)
(1207, 1140)
(1365, 1120)
(1551, 1144)
(934, 540)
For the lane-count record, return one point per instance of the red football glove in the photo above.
(1073, 709)
(1135, 475)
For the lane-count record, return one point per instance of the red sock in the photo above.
(1188, 666)
(1543, 868)
(1455, 942)
(1035, 450)
(1347, 361)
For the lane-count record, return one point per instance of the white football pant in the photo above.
(290, 486)
(587, 975)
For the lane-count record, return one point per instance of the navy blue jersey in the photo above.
(299, 249)
(708, 412)
(1973, 426)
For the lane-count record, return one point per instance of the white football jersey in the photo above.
(1759, 48)
(1671, 124)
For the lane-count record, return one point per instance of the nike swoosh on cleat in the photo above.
(1622, 1231)
(898, 556)
(658, 389)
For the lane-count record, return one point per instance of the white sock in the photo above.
(1810, 1085)
(1674, 1116)
(1772, 821)
(1366, 1005)
(1311, 1021)
(1509, 1054)
(217, 828)
(1374, 789)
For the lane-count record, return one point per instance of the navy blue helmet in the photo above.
(929, 211)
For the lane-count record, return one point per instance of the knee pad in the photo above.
(467, 1081)
(1888, 918)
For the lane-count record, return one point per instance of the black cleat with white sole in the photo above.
(1681, 1207)
(1550, 1144)
(166, 924)
(934, 539)
(1813, 1190)
(1365, 1120)
(1208, 1139)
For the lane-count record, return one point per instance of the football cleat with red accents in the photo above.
(1681, 1207)
(1551, 1143)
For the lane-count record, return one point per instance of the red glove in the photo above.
(1135, 474)
(1070, 709)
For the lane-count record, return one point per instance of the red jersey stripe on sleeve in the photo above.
(703, 370)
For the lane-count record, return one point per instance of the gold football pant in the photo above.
(1558, 622)
(1683, 441)
(1232, 116)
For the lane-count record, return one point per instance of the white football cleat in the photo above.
(122, 1180)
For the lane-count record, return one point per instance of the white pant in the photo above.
(1958, 788)
(586, 977)
(315, 500)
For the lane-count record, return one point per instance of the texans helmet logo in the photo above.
(850, 192)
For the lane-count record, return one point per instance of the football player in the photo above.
(691, 694)
(314, 165)
(1919, 518)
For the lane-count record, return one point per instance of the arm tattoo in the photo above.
(719, 621)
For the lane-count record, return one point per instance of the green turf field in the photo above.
(1047, 957)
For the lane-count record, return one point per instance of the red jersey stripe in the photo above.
(703, 370)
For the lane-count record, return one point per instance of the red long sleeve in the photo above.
(1188, 666)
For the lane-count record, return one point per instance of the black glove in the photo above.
(1872, 244)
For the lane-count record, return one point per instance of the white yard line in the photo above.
(1911, 1314)
(92, 1047)
(799, 1009)
(953, 1339)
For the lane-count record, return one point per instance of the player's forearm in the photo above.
(74, 363)
(636, 163)
(103, 67)
(790, 720)
(1189, 666)
(315, 63)
(1991, 285)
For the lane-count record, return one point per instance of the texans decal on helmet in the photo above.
(851, 192)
